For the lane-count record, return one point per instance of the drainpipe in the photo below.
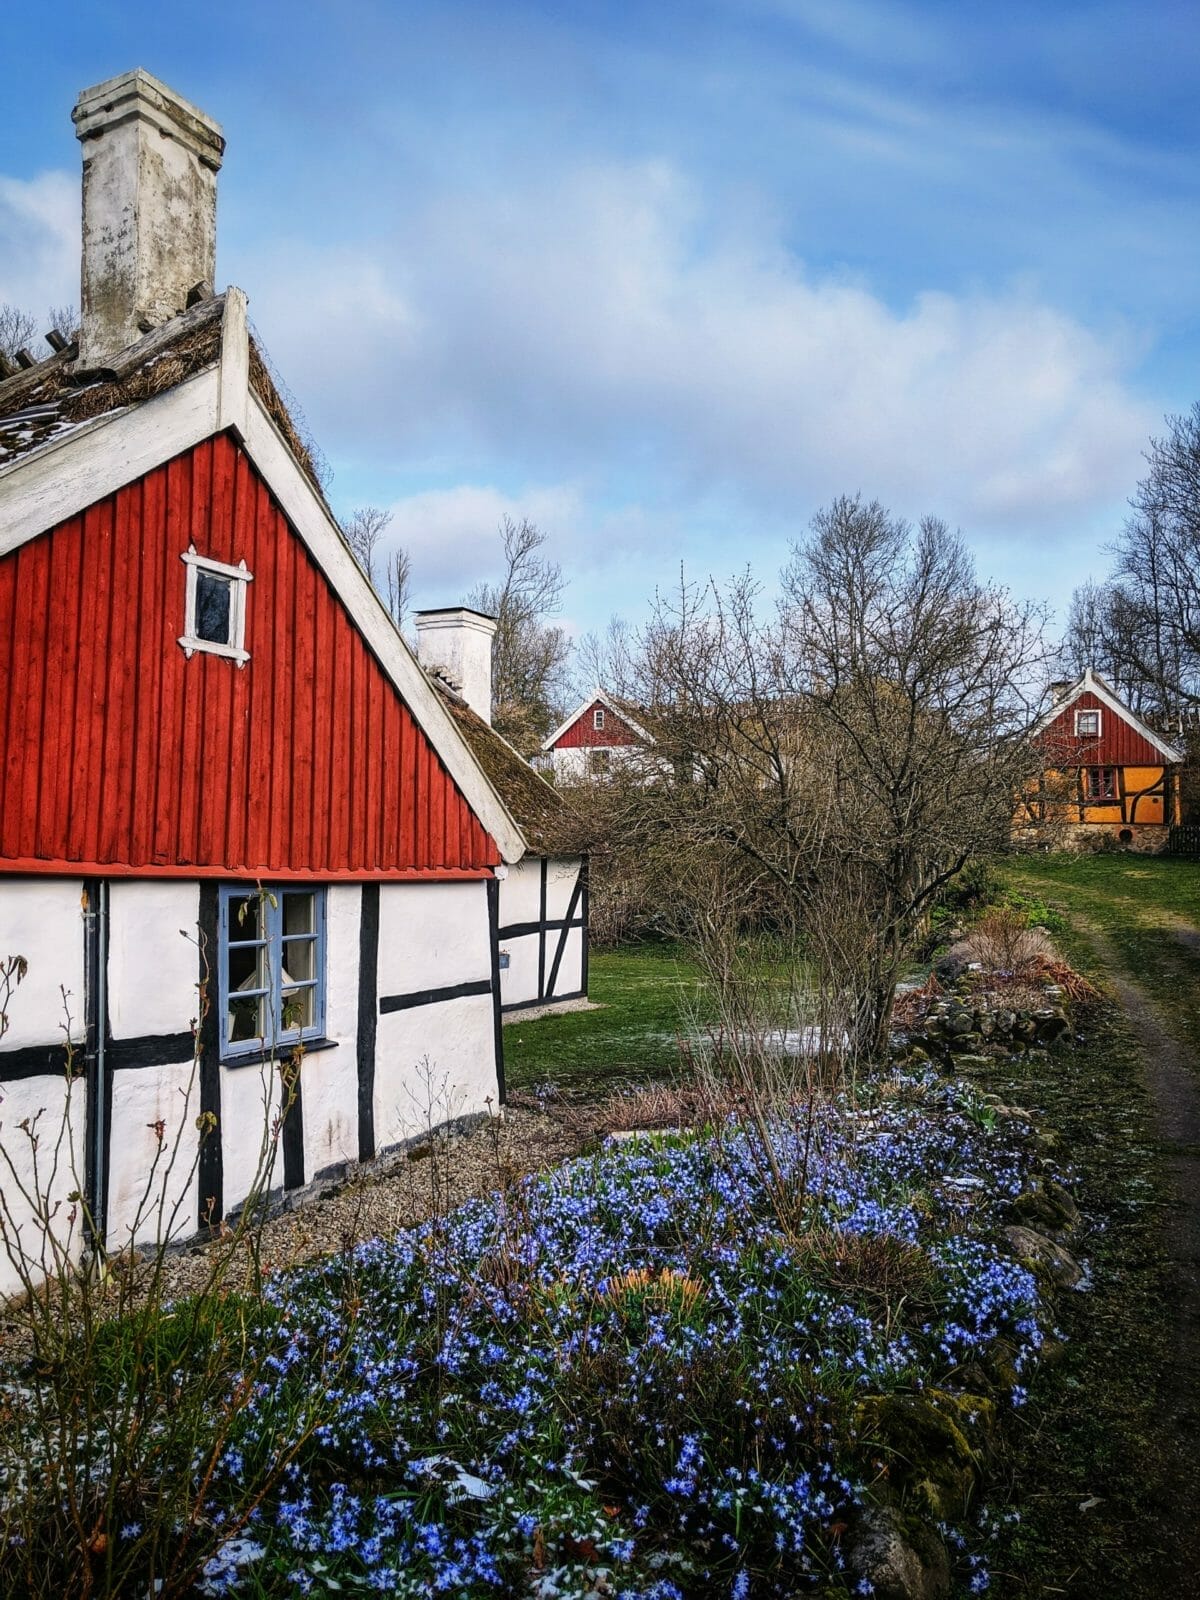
(98, 1099)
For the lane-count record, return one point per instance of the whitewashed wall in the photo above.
(572, 763)
(331, 1076)
(531, 954)
(432, 1060)
(42, 920)
(44, 1101)
(438, 1060)
(153, 972)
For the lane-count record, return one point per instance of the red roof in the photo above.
(1123, 739)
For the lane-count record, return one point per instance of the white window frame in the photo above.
(235, 649)
(1089, 711)
(598, 719)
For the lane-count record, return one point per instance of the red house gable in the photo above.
(118, 752)
(1120, 742)
(583, 733)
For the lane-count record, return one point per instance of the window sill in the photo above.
(282, 1052)
(209, 647)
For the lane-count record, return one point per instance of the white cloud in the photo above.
(452, 534)
(607, 326)
(39, 241)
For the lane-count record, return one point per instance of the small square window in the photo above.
(215, 607)
(1087, 724)
(598, 717)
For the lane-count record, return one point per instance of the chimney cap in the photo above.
(140, 94)
(456, 611)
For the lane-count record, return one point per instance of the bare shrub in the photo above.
(1002, 942)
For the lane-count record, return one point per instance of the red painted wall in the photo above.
(117, 751)
(1119, 744)
(581, 734)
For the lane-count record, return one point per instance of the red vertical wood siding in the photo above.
(1119, 745)
(581, 733)
(115, 749)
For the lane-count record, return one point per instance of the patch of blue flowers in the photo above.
(636, 1376)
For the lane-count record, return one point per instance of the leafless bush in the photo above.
(1002, 942)
(833, 760)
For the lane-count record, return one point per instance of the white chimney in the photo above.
(150, 164)
(456, 644)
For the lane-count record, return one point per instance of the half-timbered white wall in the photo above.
(42, 920)
(434, 1058)
(537, 898)
(331, 1076)
(435, 1048)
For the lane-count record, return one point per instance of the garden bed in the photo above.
(681, 1366)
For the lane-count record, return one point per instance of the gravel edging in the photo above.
(429, 1177)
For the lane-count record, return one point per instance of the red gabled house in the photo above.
(1105, 773)
(238, 820)
(598, 734)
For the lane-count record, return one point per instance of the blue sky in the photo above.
(666, 278)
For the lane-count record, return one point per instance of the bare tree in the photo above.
(853, 744)
(601, 660)
(397, 583)
(1110, 629)
(364, 530)
(389, 571)
(63, 320)
(530, 653)
(1142, 627)
(17, 329)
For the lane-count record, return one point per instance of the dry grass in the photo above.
(1002, 943)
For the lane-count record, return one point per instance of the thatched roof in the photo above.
(51, 397)
(541, 813)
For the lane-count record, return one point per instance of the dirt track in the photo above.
(1172, 1073)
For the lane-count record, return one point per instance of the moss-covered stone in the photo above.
(931, 1446)
(1044, 1257)
(1046, 1206)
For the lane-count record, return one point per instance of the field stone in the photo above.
(1046, 1257)
(900, 1556)
(1046, 1206)
(927, 1440)
(1052, 1025)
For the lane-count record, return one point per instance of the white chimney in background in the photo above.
(456, 643)
(150, 164)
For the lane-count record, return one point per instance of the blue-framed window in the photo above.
(271, 964)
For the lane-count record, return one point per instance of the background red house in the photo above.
(1105, 773)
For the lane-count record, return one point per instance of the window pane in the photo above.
(297, 1010)
(213, 606)
(298, 913)
(299, 960)
(245, 918)
(245, 1017)
(247, 967)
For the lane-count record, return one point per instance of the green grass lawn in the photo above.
(1114, 884)
(646, 995)
(1139, 904)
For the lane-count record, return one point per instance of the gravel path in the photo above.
(430, 1178)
